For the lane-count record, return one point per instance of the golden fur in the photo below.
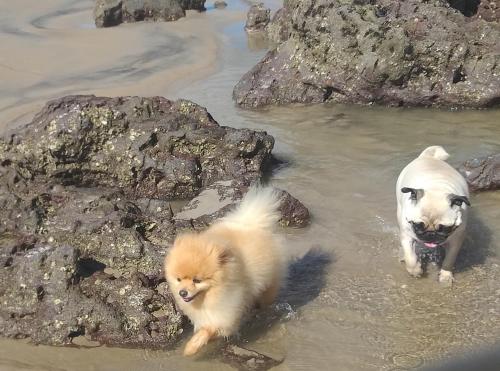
(227, 269)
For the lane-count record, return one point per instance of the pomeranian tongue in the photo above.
(430, 244)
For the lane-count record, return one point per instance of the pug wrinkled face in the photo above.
(432, 215)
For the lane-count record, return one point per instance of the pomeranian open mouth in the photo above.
(234, 265)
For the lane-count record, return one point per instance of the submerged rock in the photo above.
(483, 173)
(396, 53)
(109, 13)
(88, 198)
(244, 359)
(220, 4)
(257, 18)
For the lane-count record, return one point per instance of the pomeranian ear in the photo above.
(225, 256)
(222, 252)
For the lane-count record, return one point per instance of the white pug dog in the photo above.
(432, 202)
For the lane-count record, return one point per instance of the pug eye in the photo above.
(178, 280)
(420, 226)
(196, 280)
(445, 228)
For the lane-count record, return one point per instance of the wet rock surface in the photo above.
(489, 10)
(279, 28)
(109, 13)
(88, 197)
(396, 53)
(483, 173)
(219, 198)
(258, 18)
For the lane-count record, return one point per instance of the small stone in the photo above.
(257, 18)
(220, 4)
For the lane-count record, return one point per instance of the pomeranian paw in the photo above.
(198, 340)
(191, 348)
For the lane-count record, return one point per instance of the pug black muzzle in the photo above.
(432, 238)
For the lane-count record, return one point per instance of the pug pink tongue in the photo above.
(430, 244)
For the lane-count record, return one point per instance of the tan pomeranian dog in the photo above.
(237, 263)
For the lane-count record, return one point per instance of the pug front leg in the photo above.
(451, 253)
(413, 266)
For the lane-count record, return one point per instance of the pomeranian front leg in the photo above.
(199, 339)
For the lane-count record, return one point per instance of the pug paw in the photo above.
(415, 270)
(446, 277)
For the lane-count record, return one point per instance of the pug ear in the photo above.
(458, 200)
(415, 194)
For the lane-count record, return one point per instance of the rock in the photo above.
(489, 10)
(148, 147)
(154, 10)
(485, 9)
(218, 199)
(245, 359)
(198, 5)
(88, 197)
(109, 13)
(293, 212)
(257, 18)
(482, 174)
(220, 4)
(396, 53)
(279, 28)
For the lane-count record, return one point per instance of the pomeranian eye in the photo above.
(178, 280)
(196, 280)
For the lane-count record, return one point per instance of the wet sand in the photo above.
(51, 48)
(350, 304)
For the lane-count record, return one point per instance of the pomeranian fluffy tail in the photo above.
(257, 210)
(436, 152)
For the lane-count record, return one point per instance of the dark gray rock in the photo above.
(294, 213)
(257, 18)
(193, 5)
(149, 147)
(483, 173)
(485, 9)
(396, 53)
(489, 10)
(220, 4)
(109, 13)
(245, 359)
(279, 28)
(89, 193)
(154, 10)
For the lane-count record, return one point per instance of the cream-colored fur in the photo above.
(436, 181)
(238, 261)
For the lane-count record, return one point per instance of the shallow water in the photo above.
(350, 304)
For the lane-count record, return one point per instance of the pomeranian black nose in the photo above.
(183, 293)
